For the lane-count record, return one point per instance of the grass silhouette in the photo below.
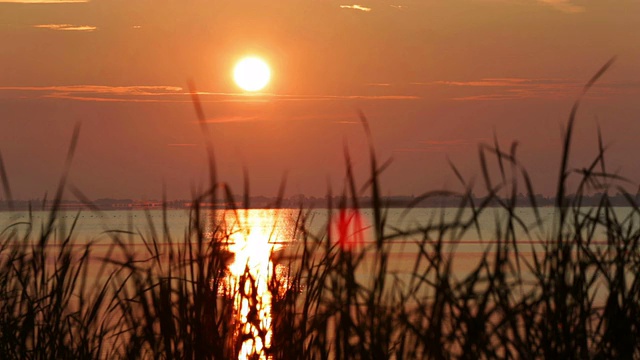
(560, 296)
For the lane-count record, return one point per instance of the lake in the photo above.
(252, 236)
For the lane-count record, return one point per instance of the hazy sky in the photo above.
(434, 78)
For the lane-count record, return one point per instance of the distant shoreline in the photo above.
(299, 201)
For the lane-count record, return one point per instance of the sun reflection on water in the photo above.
(254, 236)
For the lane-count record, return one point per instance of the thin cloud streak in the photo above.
(241, 119)
(521, 88)
(506, 82)
(101, 93)
(142, 89)
(565, 6)
(356, 97)
(169, 94)
(66, 27)
(356, 7)
(231, 119)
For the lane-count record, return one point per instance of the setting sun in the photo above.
(251, 74)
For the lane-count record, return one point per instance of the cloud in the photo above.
(338, 118)
(230, 119)
(168, 94)
(523, 88)
(564, 6)
(100, 93)
(66, 27)
(356, 7)
(357, 97)
(243, 97)
(399, 7)
(504, 82)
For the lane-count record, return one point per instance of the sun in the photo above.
(251, 74)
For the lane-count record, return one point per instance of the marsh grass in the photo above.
(558, 296)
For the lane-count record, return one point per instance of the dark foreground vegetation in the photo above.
(568, 299)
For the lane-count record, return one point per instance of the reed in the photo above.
(556, 296)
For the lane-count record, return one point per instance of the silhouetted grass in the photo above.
(561, 294)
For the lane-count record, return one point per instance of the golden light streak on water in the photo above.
(257, 234)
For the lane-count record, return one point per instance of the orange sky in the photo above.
(435, 79)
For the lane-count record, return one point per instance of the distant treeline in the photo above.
(433, 200)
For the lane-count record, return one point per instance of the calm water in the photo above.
(259, 231)
(255, 234)
(279, 226)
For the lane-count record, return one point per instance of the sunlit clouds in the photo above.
(418, 70)
(522, 88)
(356, 7)
(99, 93)
(170, 94)
(333, 117)
(489, 89)
(66, 27)
(564, 5)
(231, 119)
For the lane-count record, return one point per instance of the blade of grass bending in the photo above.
(246, 197)
(83, 198)
(350, 180)
(375, 185)
(5, 183)
(62, 184)
(597, 76)
(43, 204)
(281, 190)
(195, 99)
(230, 200)
(497, 147)
(330, 216)
(379, 171)
(468, 194)
(601, 149)
(484, 167)
(560, 193)
(434, 193)
(532, 196)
